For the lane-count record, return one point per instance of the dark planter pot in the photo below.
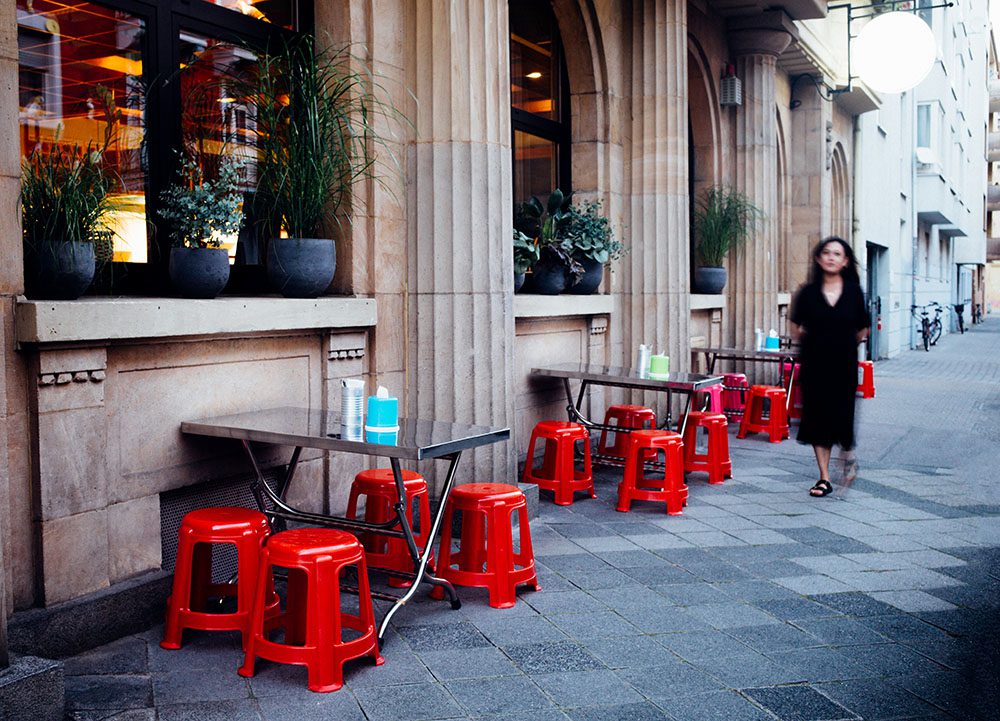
(709, 280)
(548, 278)
(518, 281)
(301, 267)
(199, 272)
(590, 281)
(58, 271)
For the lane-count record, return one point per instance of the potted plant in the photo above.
(201, 214)
(724, 219)
(594, 245)
(313, 128)
(65, 198)
(526, 254)
(549, 225)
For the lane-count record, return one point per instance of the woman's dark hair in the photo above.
(850, 271)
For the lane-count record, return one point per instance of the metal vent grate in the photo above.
(233, 491)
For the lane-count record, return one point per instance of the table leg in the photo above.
(687, 409)
(421, 571)
(264, 497)
(791, 381)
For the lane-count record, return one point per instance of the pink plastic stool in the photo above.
(733, 399)
(712, 396)
(795, 407)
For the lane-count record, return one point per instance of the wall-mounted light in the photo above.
(730, 88)
(534, 75)
(894, 52)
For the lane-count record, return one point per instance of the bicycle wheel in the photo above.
(935, 331)
(925, 334)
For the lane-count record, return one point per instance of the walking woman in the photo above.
(830, 320)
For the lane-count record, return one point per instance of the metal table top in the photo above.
(628, 377)
(310, 428)
(745, 354)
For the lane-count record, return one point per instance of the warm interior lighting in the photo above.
(894, 52)
(534, 76)
(118, 64)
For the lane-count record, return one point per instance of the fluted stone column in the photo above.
(655, 299)
(460, 283)
(756, 43)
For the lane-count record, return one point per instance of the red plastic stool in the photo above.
(634, 486)
(866, 379)
(795, 407)
(557, 472)
(627, 416)
(487, 540)
(715, 461)
(733, 398)
(708, 400)
(379, 486)
(313, 619)
(241, 527)
(774, 422)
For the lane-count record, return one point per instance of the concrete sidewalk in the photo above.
(759, 603)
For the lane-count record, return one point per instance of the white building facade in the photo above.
(920, 205)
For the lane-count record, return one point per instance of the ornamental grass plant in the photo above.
(724, 219)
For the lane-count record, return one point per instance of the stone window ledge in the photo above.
(113, 319)
(706, 301)
(554, 306)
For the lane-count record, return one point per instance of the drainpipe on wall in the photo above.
(913, 214)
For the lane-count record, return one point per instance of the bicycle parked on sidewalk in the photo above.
(927, 326)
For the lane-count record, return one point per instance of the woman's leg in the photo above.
(823, 461)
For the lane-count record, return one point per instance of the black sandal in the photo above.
(822, 488)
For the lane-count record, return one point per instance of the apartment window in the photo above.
(926, 12)
(539, 96)
(86, 67)
(924, 126)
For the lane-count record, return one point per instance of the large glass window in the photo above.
(86, 69)
(539, 95)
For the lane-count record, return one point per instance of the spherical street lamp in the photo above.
(894, 52)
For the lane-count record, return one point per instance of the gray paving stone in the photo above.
(813, 585)
(401, 667)
(799, 703)
(587, 688)
(644, 711)
(125, 656)
(565, 602)
(690, 594)
(820, 664)
(501, 631)
(890, 660)
(840, 631)
(244, 710)
(592, 579)
(904, 627)
(780, 637)
(668, 619)
(506, 695)
(434, 637)
(731, 615)
(108, 692)
(552, 657)
(715, 706)
(468, 663)
(796, 608)
(748, 668)
(197, 685)
(873, 700)
(670, 681)
(699, 645)
(411, 702)
(135, 714)
(914, 601)
(755, 590)
(659, 541)
(594, 625)
(855, 604)
(547, 714)
(342, 706)
(200, 650)
(629, 651)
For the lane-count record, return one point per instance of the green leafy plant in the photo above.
(550, 225)
(591, 235)
(724, 219)
(526, 252)
(65, 190)
(314, 116)
(200, 211)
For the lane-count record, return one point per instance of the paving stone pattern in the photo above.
(759, 603)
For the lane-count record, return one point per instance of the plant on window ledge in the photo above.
(724, 220)
(526, 254)
(202, 214)
(594, 245)
(65, 200)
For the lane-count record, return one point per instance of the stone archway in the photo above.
(840, 196)
(705, 157)
(785, 280)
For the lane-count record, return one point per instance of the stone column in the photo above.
(459, 297)
(809, 182)
(655, 302)
(756, 43)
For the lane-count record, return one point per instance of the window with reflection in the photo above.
(81, 63)
(539, 95)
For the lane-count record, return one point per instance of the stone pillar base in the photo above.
(31, 689)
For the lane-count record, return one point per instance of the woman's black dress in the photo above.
(828, 375)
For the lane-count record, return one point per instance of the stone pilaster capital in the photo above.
(768, 33)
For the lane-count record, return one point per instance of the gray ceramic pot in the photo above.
(709, 280)
(548, 278)
(199, 272)
(590, 281)
(301, 267)
(57, 270)
(518, 281)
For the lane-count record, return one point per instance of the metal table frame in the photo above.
(687, 383)
(278, 511)
(781, 356)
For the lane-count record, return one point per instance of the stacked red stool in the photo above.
(646, 446)
(558, 470)
(313, 620)
(379, 488)
(790, 371)
(186, 608)
(486, 557)
(709, 399)
(624, 416)
(774, 422)
(866, 379)
(733, 398)
(715, 461)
